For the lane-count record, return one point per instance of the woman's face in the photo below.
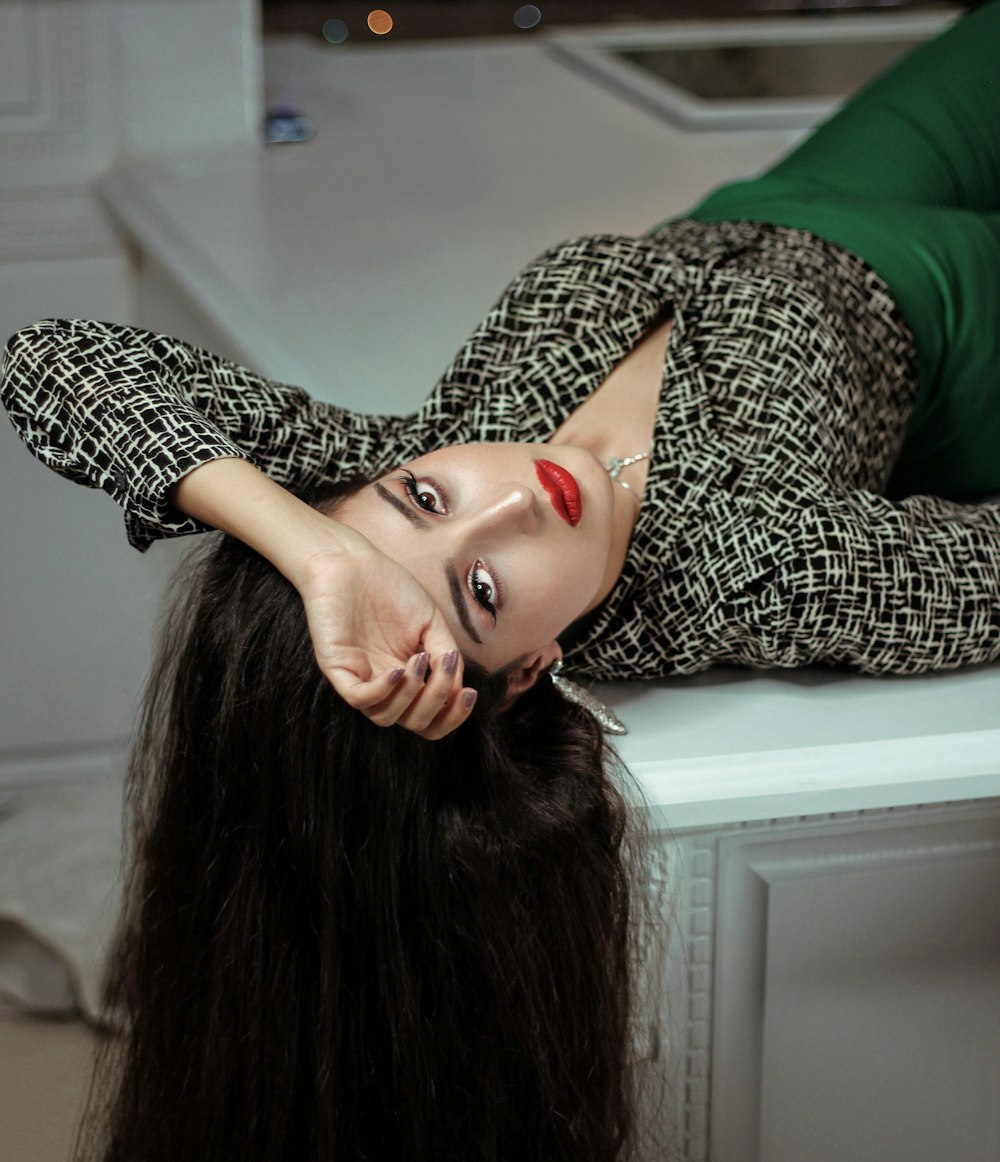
(512, 541)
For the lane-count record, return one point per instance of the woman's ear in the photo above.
(525, 674)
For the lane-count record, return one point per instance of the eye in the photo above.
(484, 588)
(425, 494)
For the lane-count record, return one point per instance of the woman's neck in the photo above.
(617, 420)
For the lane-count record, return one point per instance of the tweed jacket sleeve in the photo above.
(131, 412)
(890, 587)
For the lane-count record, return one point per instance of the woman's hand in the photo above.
(377, 635)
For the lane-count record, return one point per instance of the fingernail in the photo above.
(396, 676)
(451, 661)
(420, 665)
(469, 699)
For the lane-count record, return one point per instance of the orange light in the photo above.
(379, 21)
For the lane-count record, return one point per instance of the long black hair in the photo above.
(345, 943)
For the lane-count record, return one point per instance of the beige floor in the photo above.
(44, 1073)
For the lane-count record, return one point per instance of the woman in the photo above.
(727, 441)
(807, 406)
(345, 942)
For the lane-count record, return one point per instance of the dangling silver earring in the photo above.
(610, 721)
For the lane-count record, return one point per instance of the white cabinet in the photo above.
(834, 988)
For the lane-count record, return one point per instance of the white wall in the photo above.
(84, 83)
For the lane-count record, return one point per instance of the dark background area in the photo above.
(417, 19)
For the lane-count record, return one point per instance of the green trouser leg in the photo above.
(907, 175)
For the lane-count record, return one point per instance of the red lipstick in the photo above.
(563, 490)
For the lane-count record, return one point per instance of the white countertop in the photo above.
(358, 262)
(355, 264)
(732, 745)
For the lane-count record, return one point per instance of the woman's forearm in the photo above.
(237, 498)
(132, 412)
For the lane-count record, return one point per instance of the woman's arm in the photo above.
(884, 587)
(131, 412)
(176, 434)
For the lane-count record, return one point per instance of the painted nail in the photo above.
(469, 699)
(420, 665)
(450, 661)
(396, 676)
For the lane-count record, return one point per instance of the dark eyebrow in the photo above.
(401, 507)
(458, 598)
(450, 572)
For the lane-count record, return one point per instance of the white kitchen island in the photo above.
(828, 845)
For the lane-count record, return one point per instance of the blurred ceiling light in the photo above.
(379, 21)
(527, 16)
(335, 31)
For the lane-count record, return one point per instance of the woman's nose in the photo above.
(513, 507)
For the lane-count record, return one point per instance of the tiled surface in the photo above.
(44, 1074)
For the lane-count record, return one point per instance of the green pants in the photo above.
(907, 175)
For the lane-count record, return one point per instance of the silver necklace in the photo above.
(610, 721)
(614, 467)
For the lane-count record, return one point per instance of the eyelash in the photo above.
(413, 491)
(494, 585)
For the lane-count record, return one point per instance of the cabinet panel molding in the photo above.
(57, 108)
(730, 888)
(26, 76)
(823, 929)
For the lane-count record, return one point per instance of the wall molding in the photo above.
(26, 72)
(58, 118)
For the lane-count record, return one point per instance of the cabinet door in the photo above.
(856, 1006)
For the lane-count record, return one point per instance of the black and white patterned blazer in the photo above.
(763, 539)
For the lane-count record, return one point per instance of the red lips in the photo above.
(563, 490)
